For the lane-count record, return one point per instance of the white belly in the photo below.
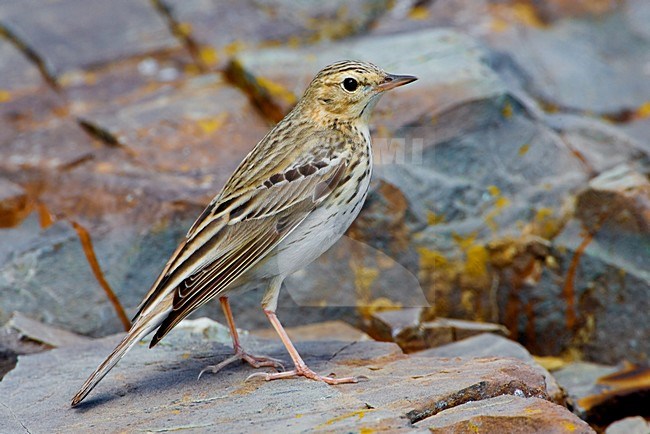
(315, 235)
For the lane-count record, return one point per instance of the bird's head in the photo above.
(348, 90)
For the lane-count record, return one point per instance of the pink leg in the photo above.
(240, 354)
(301, 368)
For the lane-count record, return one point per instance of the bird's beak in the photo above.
(392, 81)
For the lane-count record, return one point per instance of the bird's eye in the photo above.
(350, 84)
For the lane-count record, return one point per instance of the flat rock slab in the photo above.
(225, 26)
(201, 124)
(449, 66)
(581, 55)
(15, 71)
(72, 34)
(507, 414)
(158, 390)
(491, 345)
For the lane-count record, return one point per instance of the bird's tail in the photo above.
(140, 329)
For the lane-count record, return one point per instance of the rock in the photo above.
(269, 22)
(445, 330)
(640, 130)
(603, 394)
(578, 291)
(204, 126)
(24, 110)
(16, 73)
(75, 34)
(600, 146)
(323, 331)
(52, 337)
(162, 385)
(277, 77)
(23, 335)
(629, 425)
(48, 277)
(397, 325)
(581, 43)
(30, 153)
(14, 205)
(405, 328)
(126, 81)
(557, 9)
(574, 290)
(512, 414)
(579, 378)
(617, 201)
(437, 384)
(13, 344)
(471, 16)
(492, 345)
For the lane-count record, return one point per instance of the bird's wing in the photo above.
(237, 231)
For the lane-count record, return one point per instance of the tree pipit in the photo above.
(290, 199)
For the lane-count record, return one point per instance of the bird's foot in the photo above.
(304, 371)
(254, 361)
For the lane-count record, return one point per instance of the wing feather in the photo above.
(220, 248)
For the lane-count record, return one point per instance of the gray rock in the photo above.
(47, 335)
(73, 34)
(242, 24)
(604, 394)
(571, 73)
(629, 425)
(449, 65)
(640, 130)
(617, 201)
(16, 72)
(204, 126)
(160, 387)
(588, 302)
(59, 145)
(600, 146)
(23, 335)
(48, 277)
(511, 414)
(491, 345)
(579, 378)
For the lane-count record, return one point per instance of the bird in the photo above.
(287, 202)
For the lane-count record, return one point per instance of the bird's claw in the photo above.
(254, 361)
(307, 373)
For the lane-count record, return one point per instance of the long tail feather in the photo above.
(137, 332)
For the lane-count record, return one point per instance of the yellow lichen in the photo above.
(476, 261)
(494, 190)
(5, 96)
(208, 55)
(378, 305)
(434, 219)
(358, 413)
(212, 124)
(234, 47)
(431, 259)
(464, 242)
(419, 13)
(506, 111)
(569, 426)
(467, 300)
(277, 90)
(644, 110)
(184, 29)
